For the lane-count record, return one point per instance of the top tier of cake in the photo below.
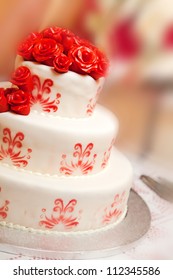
(66, 95)
(67, 73)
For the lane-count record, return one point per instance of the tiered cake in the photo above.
(58, 168)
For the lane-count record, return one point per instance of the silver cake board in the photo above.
(92, 245)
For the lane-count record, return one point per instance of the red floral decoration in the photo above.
(62, 63)
(25, 49)
(22, 78)
(100, 68)
(92, 102)
(61, 49)
(114, 211)
(17, 99)
(46, 50)
(84, 59)
(62, 214)
(4, 209)
(41, 94)
(60, 35)
(82, 163)
(107, 154)
(12, 148)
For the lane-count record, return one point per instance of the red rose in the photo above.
(3, 101)
(9, 91)
(66, 39)
(83, 42)
(18, 101)
(67, 42)
(52, 33)
(101, 67)
(34, 37)
(46, 50)
(60, 35)
(62, 63)
(100, 70)
(25, 50)
(22, 78)
(84, 58)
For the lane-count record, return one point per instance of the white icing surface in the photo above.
(96, 196)
(78, 92)
(50, 138)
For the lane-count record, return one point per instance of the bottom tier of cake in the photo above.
(66, 204)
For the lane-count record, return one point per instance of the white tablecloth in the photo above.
(158, 242)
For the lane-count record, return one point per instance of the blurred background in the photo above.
(137, 36)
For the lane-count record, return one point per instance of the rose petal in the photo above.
(21, 109)
(4, 107)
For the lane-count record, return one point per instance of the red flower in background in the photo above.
(62, 63)
(22, 78)
(168, 37)
(46, 50)
(19, 101)
(4, 107)
(124, 41)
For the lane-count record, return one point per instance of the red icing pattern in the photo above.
(113, 212)
(81, 160)
(12, 148)
(107, 154)
(92, 102)
(40, 95)
(62, 214)
(4, 209)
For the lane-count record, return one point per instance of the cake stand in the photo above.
(94, 244)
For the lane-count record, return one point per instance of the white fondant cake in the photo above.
(58, 170)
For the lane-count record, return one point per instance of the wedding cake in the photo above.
(59, 170)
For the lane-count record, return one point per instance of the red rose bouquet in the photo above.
(62, 50)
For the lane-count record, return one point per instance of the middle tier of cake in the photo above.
(55, 145)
